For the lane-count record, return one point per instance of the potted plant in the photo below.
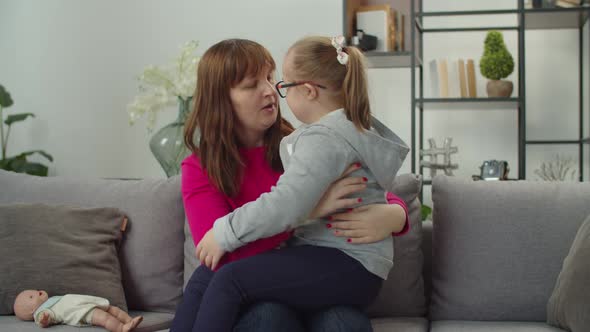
(19, 162)
(495, 64)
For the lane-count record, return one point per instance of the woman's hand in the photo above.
(208, 251)
(334, 197)
(368, 223)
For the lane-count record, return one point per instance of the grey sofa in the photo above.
(488, 263)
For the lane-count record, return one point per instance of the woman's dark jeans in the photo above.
(269, 316)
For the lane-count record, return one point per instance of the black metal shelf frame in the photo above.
(528, 19)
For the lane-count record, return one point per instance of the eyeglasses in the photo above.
(281, 86)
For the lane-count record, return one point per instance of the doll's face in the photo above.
(27, 302)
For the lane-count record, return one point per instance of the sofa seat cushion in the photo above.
(406, 324)
(152, 250)
(498, 246)
(152, 321)
(480, 326)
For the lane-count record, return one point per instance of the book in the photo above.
(454, 86)
(434, 84)
(443, 78)
(462, 79)
(471, 83)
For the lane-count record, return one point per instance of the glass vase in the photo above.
(167, 144)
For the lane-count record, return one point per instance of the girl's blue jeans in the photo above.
(320, 289)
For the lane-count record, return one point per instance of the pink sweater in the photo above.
(204, 203)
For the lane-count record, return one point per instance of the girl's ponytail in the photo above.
(354, 90)
(321, 59)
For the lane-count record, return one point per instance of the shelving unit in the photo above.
(527, 19)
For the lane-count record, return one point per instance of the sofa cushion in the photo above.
(405, 324)
(402, 293)
(152, 321)
(151, 256)
(569, 304)
(471, 326)
(60, 250)
(499, 246)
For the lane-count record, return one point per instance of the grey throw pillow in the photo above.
(402, 294)
(569, 304)
(61, 250)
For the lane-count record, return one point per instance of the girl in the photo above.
(326, 88)
(237, 160)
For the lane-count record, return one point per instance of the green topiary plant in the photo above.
(496, 63)
(18, 163)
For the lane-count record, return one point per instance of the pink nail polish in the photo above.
(357, 165)
(359, 200)
(329, 225)
(365, 179)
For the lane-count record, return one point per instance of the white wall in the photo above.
(73, 63)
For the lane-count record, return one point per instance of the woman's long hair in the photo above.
(222, 67)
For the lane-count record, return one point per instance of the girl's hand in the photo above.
(368, 223)
(334, 197)
(208, 251)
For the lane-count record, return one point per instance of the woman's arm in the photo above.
(372, 223)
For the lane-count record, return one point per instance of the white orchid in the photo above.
(163, 85)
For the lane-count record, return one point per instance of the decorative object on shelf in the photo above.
(433, 154)
(164, 87)
(363, 41)
(495, 64)
(378, 20)
(559, 169)
(493, 170)
(18, 163)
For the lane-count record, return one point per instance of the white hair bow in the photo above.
(338, 43)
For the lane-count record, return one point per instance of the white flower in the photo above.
(161, 86)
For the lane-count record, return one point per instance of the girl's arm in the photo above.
(204, 203)
(318, 158)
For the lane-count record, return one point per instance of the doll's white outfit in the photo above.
(71, 309)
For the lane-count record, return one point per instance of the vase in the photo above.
(167, 144)
(499, 88)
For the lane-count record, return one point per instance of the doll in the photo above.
(72, 309)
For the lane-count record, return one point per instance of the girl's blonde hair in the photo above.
(222, 67)
(315, 58)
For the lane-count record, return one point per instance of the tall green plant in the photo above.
(496, 63)
(18, 163)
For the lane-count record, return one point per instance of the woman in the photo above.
(237, 160)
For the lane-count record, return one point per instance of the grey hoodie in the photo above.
(313, 157)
